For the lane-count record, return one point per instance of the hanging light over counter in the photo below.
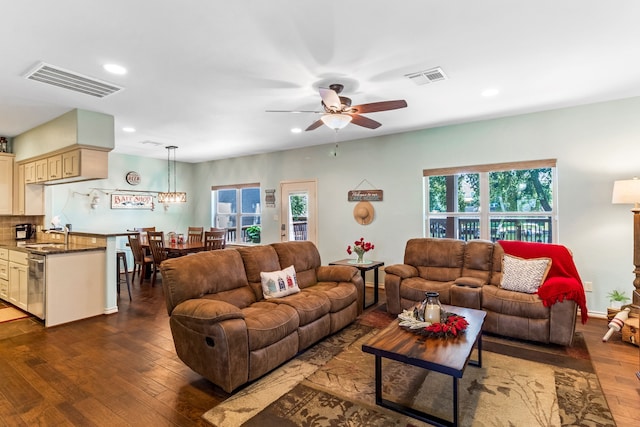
(172, 196)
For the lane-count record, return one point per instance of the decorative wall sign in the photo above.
(270, 198)
(133, 178)
(364, 195)
(131, 201)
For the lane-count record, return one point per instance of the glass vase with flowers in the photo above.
(360, 247)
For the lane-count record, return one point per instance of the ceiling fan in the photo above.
(338, 111)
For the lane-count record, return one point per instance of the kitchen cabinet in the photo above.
(84, 164)
(4, 274)
(54, 167)
(71, 164)
(42, 170)
(30, 172)
(6, 183)
(28, 199)
(18, 272)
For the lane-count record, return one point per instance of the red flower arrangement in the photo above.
(453, 326)
(360, 247)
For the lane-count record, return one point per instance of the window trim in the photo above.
(491, 167)
(237, 230)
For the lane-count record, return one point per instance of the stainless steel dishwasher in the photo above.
(36, 282)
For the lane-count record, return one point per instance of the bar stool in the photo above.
(122, 257)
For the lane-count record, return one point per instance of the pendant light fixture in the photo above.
(171, 196)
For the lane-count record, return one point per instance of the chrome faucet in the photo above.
(64, 232)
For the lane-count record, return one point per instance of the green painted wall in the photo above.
(594, 145)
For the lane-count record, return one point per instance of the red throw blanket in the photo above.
(563, 280)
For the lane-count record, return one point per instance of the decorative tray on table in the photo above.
(451, 327)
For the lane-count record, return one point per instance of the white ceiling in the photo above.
(201, 73)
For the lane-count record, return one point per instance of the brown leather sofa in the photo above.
(226, 331)
(468, 274)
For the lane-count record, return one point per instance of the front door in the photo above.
(298, 213)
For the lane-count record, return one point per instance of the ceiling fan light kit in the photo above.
(336, 121)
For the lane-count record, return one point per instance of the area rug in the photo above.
(332, 384)
(7, 314)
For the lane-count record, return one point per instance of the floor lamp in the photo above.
(628, 192)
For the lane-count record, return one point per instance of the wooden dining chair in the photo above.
(140, 259)
(224, 232)
(158, 252)
(194, 234)
(214, 240)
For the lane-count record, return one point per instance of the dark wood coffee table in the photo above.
(448, 356)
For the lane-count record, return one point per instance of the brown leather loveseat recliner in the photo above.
(468, 274)
(223, 327)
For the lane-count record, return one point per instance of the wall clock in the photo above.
(133, 178)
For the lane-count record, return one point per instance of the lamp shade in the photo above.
(336, 121)
(626, 191)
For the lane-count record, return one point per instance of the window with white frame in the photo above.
(237, 208)
(503, 201)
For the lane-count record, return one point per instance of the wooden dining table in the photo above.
(177, 249)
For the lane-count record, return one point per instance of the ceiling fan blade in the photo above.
(379, 106)
(365, 122)
(315, 125)
(330, 98)
(293, 111)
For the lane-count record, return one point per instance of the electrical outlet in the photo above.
(588, 286)
(93, 240)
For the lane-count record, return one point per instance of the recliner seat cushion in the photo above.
(415, 287)
(341, 295)
(513, 303)
(309, 305)
(268, 323)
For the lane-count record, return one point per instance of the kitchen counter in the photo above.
(48, 248)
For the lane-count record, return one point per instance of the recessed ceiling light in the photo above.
(115, 69)
(487, 93)
(129, 129)
(296, 130)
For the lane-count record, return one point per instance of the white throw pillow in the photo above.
(276, 284)
(523, 275)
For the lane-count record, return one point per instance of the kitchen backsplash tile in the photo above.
(8, 223)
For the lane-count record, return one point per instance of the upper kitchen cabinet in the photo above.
(42, 170)
(54, 167)
(30, 172)
(71, 165)
(6, 183)
(28, 199)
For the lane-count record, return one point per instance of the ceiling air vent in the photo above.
(66, 79)
(153, 143)
(429, 76)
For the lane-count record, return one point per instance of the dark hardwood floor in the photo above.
(121, 369)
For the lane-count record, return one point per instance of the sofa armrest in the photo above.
(200, 314)
(472, 282)
(404, 271)
(336, 273)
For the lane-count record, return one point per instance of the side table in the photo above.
(368, 265)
